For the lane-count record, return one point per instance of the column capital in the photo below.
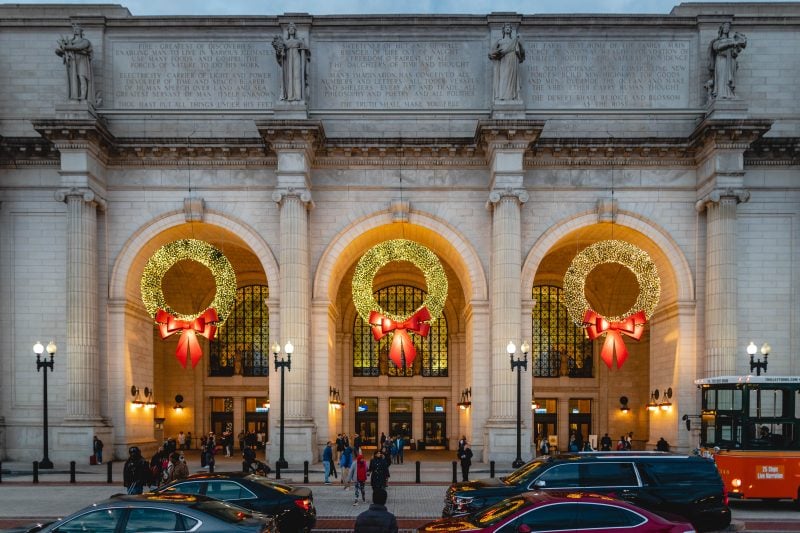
(497, 195)
(88, 196)
(718, 195)
(304, 195)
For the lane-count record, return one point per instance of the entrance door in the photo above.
(580, 419)
(400, 414)
(221, 415)
(434, 423)
(367, 420)
(256, 421)
(545, 420)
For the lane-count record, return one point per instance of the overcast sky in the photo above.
(344, 7)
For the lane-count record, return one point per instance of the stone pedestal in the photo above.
(299, 437)
(295, 110)
(733, 109)
(75, 110)
(508, 109)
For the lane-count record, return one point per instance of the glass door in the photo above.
(367, 420)
(400, 414)
(434, 423)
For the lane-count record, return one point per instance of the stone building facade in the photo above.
(505, 143)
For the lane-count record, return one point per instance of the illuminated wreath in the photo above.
(402, 351)
(631, 323)
(205, 322)
(623, 253)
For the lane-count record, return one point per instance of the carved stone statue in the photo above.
(76, 52)
(507, 53)
(724, 51)
(293, 56)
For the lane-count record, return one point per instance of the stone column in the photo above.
(294, 142)
(721, 284)
(82, 313)
(506, 142)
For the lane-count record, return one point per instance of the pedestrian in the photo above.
(181, 441)
(339, 446)
(400, 445)
(379, 471)
(662, 445)
(629, 441)
(621, 443)
(383, 438)
(177, 468)
(461, 442)
(544, 446)
(466, 461)
(356, 444)
(189, 440)
(605, 443)
(358, 475)
(573, 444)
(97, 448)
(241, 440)
(136, 471)
(327, 459)
(587, 447)
(345, 462)
(248, 458)
(209, 451)
(376, 519)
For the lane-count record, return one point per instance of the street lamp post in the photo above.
(759, 365)
(287, 364)
(519, 365)
(38, 349)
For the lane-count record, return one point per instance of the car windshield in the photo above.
(286, 489)
(224, 511)
(523, 472)
(498, 511)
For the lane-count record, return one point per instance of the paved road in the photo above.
(21, 500)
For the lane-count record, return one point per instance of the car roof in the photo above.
(628, 455)
(157, 498)
(221, 475)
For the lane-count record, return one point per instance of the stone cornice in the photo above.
(773, 151)
(292, 135)
(616, 152)
(191, 152)
(77, 134)
(727, 134)
(388, 152)
(493, 135)
(22, 152)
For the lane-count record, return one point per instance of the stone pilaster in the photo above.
(720, 145)
(294, 143)
(82, 305)
(505, 143)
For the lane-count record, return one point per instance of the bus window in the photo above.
(722, 399)
(766, 403)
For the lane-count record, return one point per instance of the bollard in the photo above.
(491, 468)
(305, 471)
(455, 472)
(109, 476)
(277, 470)
(417, 467)
(36, 471)
(72, 471)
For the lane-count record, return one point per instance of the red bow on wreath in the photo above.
(205, 325)
(632, 326)
(402, 351)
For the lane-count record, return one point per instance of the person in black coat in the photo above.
(379, 471)
(466, 461)
(377, 519)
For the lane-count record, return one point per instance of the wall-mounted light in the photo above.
(178, 403)
(137, 402)
(334, 400)
(623, 404)
(466, 399)
(149, 402)
(666, 404)
(652, 405)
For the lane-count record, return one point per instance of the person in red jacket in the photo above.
(358, 475)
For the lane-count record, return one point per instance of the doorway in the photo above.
(580, 419)
(367, 420)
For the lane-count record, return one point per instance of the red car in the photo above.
(560, 511)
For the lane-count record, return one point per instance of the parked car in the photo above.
(684, 485)
(292, 507)
(158, 512)
(561, 511)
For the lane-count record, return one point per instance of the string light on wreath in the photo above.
(202, 323)
(402, 351)
(630, 323)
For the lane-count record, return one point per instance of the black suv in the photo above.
(683, 485)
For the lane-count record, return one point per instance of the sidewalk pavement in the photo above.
(54, 496)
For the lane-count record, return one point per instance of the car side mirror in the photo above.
(540, 483)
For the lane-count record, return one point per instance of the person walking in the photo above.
(345, 462)
(358, 475)
(466, 461)
(605, 443)
(376, 519)
(379, 471)
(177, 468)
(136, 471)
(97, 448)
(327, 459)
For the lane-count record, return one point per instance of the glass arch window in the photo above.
(241, 345)
(559, 347)
(371, 357)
